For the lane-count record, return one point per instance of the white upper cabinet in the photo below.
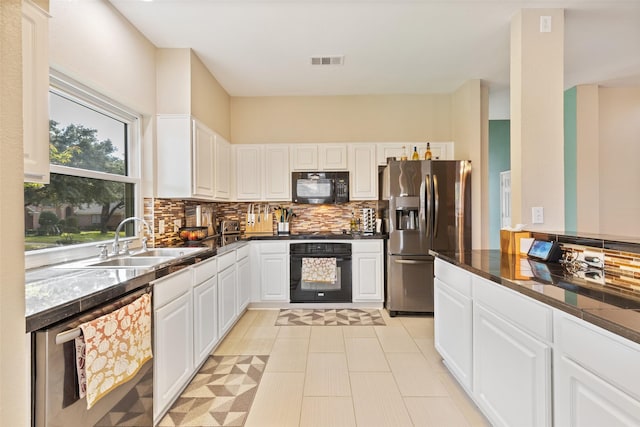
(193, 161)
(35, 92)
(439, 150)
(248, 171)
(222, 168)
(277, 175)
(333, 157)
(363, 172)
(204, 142)
(319, 157)
(304, 157)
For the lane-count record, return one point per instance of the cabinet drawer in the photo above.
(171, 287)
(605, 354)
(454, 277)
(227, 260)
(374, 246)
(242, 252)
(532, 316)
(274, 248)
(205, 270)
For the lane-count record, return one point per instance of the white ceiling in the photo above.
(263, 47)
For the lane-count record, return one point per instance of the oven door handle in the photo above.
(67, 336)
(410, 261)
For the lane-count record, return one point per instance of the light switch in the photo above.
(545, 24)
(537, 215)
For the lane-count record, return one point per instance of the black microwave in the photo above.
(320, 187)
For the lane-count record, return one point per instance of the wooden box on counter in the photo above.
(510, 240)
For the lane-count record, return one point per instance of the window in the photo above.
(95, 178)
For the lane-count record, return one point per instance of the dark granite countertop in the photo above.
(53, 294)
(607, 307)
(311, 235)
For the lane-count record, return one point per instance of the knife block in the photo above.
(263, 225)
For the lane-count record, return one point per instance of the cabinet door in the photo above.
(367, 277)
(173, 351)
(277, 173)
(35, 92)
(222, 169)
(244, 284)
(226, 299)
(584, 399)
(441, 150)
(453, 331)
(333, 157)
(249, 160)
(511, 372)
(203, 154)
(304, 157)
(363, 174)
(390, 149)
(274, 277)
(205, 322)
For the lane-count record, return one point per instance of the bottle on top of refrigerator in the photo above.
(427, 153)
(404, 156)
(415, 155)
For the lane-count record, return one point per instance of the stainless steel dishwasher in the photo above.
(56, 401)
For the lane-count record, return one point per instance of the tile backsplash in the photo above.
(332, 218)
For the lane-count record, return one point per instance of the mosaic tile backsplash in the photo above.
(331, 218)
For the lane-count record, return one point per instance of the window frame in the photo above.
(67, 87)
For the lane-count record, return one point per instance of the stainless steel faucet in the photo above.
(116, 246)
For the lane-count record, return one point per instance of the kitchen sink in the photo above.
(167, 252)
(133, 262)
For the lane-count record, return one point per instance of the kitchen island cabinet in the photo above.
(535, 359)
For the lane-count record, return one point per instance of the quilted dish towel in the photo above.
(319, 270)
(116, 346)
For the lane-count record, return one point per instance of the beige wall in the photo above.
(173, 80)
(373, 118)
(467, 135)
(209, 101)
(537, 111)
(587, 159)
(14, 356)
(92, 43)
(619, 110)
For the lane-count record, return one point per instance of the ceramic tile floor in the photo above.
(348, 375)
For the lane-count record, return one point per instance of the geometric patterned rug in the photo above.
(220, 394)
(335, 317)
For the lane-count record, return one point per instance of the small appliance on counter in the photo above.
(229, 231)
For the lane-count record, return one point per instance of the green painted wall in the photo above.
(570, 160)
(499, 161)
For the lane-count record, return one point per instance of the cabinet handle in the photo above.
(410, 261)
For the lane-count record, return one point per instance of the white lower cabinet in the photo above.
(205, 322)
(226, 299)
(274, 271)
(368, 271)
(173, 338)
(243, 297)
(511, 372)
(453, 328)
(596, 380)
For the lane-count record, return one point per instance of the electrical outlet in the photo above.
(177, 224)
(545, 24)
(161, 226)
(537, 215)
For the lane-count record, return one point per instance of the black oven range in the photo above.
(320, 272)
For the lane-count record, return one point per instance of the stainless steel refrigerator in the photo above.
(429, 208)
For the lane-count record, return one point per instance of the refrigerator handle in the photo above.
(436, 204)
(427, 181)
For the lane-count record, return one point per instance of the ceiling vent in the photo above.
(327, 60)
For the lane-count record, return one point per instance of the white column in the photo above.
(537, 136)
